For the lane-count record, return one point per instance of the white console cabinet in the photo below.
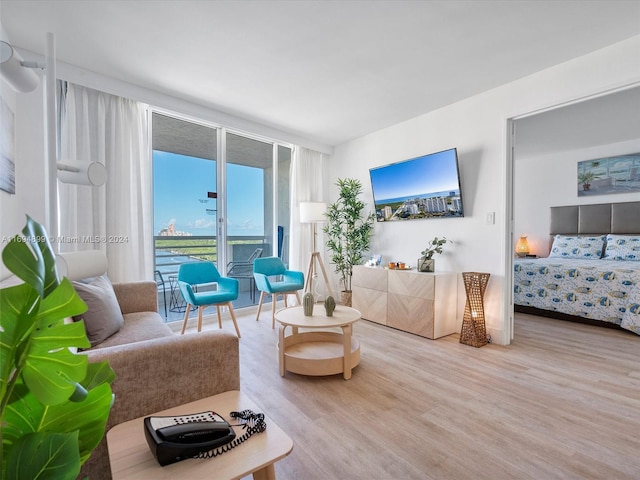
(417, 302)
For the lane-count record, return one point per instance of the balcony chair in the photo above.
(631, 179)
(192, 275)
(273, 278)
(242, 269)
(161, 285)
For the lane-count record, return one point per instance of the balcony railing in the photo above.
(171, 252)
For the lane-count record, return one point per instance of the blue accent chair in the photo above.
(273, 278)
(191, 275)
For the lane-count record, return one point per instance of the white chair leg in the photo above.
(298, 297)
(186, 318)
(260, 305)
(233, 317)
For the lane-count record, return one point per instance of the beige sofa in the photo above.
(156, 369)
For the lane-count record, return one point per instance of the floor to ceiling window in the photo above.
(214, 198)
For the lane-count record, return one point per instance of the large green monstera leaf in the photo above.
(54, 403)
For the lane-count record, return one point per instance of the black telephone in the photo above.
(172, 439)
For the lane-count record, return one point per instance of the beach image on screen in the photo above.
(423, 187)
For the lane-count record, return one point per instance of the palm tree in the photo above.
(586, 178)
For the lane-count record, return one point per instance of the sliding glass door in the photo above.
(185, 204)
(218, 196)
(257, 213)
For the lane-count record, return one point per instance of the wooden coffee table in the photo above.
(318, 352)
(131, 458)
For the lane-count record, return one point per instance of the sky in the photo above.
(436, 172)
(180, 187)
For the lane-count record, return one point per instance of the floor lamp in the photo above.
(314, 213)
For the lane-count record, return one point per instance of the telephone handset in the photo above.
(172, 439)
(194, 432)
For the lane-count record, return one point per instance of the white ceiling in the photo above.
(329, 71)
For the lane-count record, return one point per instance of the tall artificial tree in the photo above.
(348, 231)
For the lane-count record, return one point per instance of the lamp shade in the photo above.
(93, 174)
(19, 77)
(522, 247)
(312, 212)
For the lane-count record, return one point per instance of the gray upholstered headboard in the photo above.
(603, 218)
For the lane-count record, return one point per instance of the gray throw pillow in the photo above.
(103, 317)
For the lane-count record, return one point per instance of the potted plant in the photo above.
(586, 178)
(426, 263)
(348, 232)
(54, 403)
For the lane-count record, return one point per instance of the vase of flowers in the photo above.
(426, 263)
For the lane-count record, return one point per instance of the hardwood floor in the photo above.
(563, 401)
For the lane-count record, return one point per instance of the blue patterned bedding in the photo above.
(606, 290)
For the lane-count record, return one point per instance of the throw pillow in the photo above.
(103, 317)
(577, 247)
(623, 247)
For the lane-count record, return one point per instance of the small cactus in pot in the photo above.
(329, 306)
(307, 304)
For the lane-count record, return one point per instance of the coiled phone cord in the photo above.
(252, 423)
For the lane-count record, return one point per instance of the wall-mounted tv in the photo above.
(422, 187)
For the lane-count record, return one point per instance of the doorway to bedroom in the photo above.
(545, 150)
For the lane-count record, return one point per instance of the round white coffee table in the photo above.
(314, 352)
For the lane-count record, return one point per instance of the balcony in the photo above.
(172, 251)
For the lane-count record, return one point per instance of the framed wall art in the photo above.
(604, 176)
(7, 148)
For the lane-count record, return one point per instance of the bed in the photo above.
(592, 273)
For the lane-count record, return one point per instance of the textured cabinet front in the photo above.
(421, 303)
(369, 286)
(371, 303)
(412, 284)
(411, 314)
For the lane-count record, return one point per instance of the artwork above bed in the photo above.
(610, 175)
(593, 269)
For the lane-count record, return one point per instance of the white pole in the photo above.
(51, 137)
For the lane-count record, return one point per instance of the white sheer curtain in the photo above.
(308, 184)
(116, 218)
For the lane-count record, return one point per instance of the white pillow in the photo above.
(623, 247)
(586, 248)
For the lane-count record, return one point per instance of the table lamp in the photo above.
(522, 246)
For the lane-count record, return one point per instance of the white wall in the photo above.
(541, 182)
(29, 164)
(477, 127)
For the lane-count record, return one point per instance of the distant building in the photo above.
(456, 204)
(436, 204)
(171, 231)
(411, 208)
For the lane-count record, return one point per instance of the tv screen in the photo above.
(422, 187)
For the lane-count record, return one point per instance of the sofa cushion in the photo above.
(103, 317)
(138, 327)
